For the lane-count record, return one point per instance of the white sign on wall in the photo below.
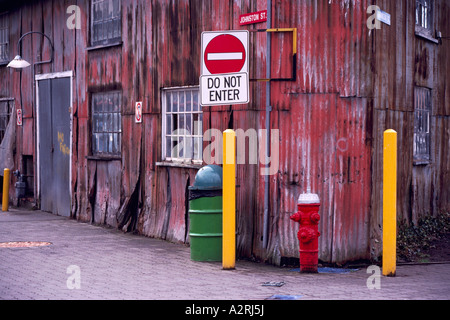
(138, 112)
(224, 69)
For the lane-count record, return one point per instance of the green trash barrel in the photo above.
(205, 215)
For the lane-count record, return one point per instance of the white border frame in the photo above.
(164, 92)
(54, 75)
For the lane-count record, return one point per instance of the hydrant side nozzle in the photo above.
(295, 217)
(315, 217)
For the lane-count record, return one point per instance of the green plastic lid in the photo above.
(208, 178)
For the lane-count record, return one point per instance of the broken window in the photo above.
(106, 123)
(106, 22)
(424, 14)
(6, 107)
(4, 38)
(422, 120)
(182, 127)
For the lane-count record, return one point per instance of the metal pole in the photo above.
(5, 200)
(389, 203)
(268, 110)
(229, 200)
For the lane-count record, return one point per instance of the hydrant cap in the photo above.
(208, 178)
(308, 198)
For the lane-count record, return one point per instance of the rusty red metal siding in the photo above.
(351, 84)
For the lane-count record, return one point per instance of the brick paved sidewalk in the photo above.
(107, 264)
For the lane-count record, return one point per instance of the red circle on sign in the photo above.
(224, 54)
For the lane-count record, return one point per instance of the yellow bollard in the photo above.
(5, 200)
(229, 200)
(389, 203)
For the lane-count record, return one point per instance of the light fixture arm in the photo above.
(19, 47)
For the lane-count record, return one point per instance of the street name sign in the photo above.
(253, 17)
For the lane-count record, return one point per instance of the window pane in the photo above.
(200, 124)
(188, 123)
(175, 102)
(195, 102)
(181, 147)
(174, 147)
(119, 143)
(116, 26)
(100, 142)
(198, 149)
(109, 122)
(95, 141)
(188, 101)
(197, 124)
(181, 101)
(168, 124)
(168, 147)
(168, 102)
(100, 122)
(115, 122)
(115, 102)
(182, 123)
(94, 123)
(98, 104)
(116, 9)
(188, 144)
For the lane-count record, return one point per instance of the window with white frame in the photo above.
(106, 22)
(106, 123)
(6, 107)
(422, 119)
(4, 38)
(182, 129)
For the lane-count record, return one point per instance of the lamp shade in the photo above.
(18, 63)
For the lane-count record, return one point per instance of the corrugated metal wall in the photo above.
(404, 60)
(352, 83)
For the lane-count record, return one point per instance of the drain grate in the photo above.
(273, 284)
(24, 244)
(284, 297)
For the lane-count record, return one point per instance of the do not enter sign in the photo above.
(224, 72)
(224, 52)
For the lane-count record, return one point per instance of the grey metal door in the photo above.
(54, 145)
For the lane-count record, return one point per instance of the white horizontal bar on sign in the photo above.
(225, 56)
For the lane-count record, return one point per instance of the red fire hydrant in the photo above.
(308, 234)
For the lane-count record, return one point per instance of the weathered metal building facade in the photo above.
(352, 82)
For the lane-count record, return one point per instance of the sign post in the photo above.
(224, 68)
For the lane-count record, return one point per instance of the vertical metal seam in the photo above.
(268, 109)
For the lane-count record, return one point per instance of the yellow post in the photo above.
(229, 200)
(389, 203)
(5, 200)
